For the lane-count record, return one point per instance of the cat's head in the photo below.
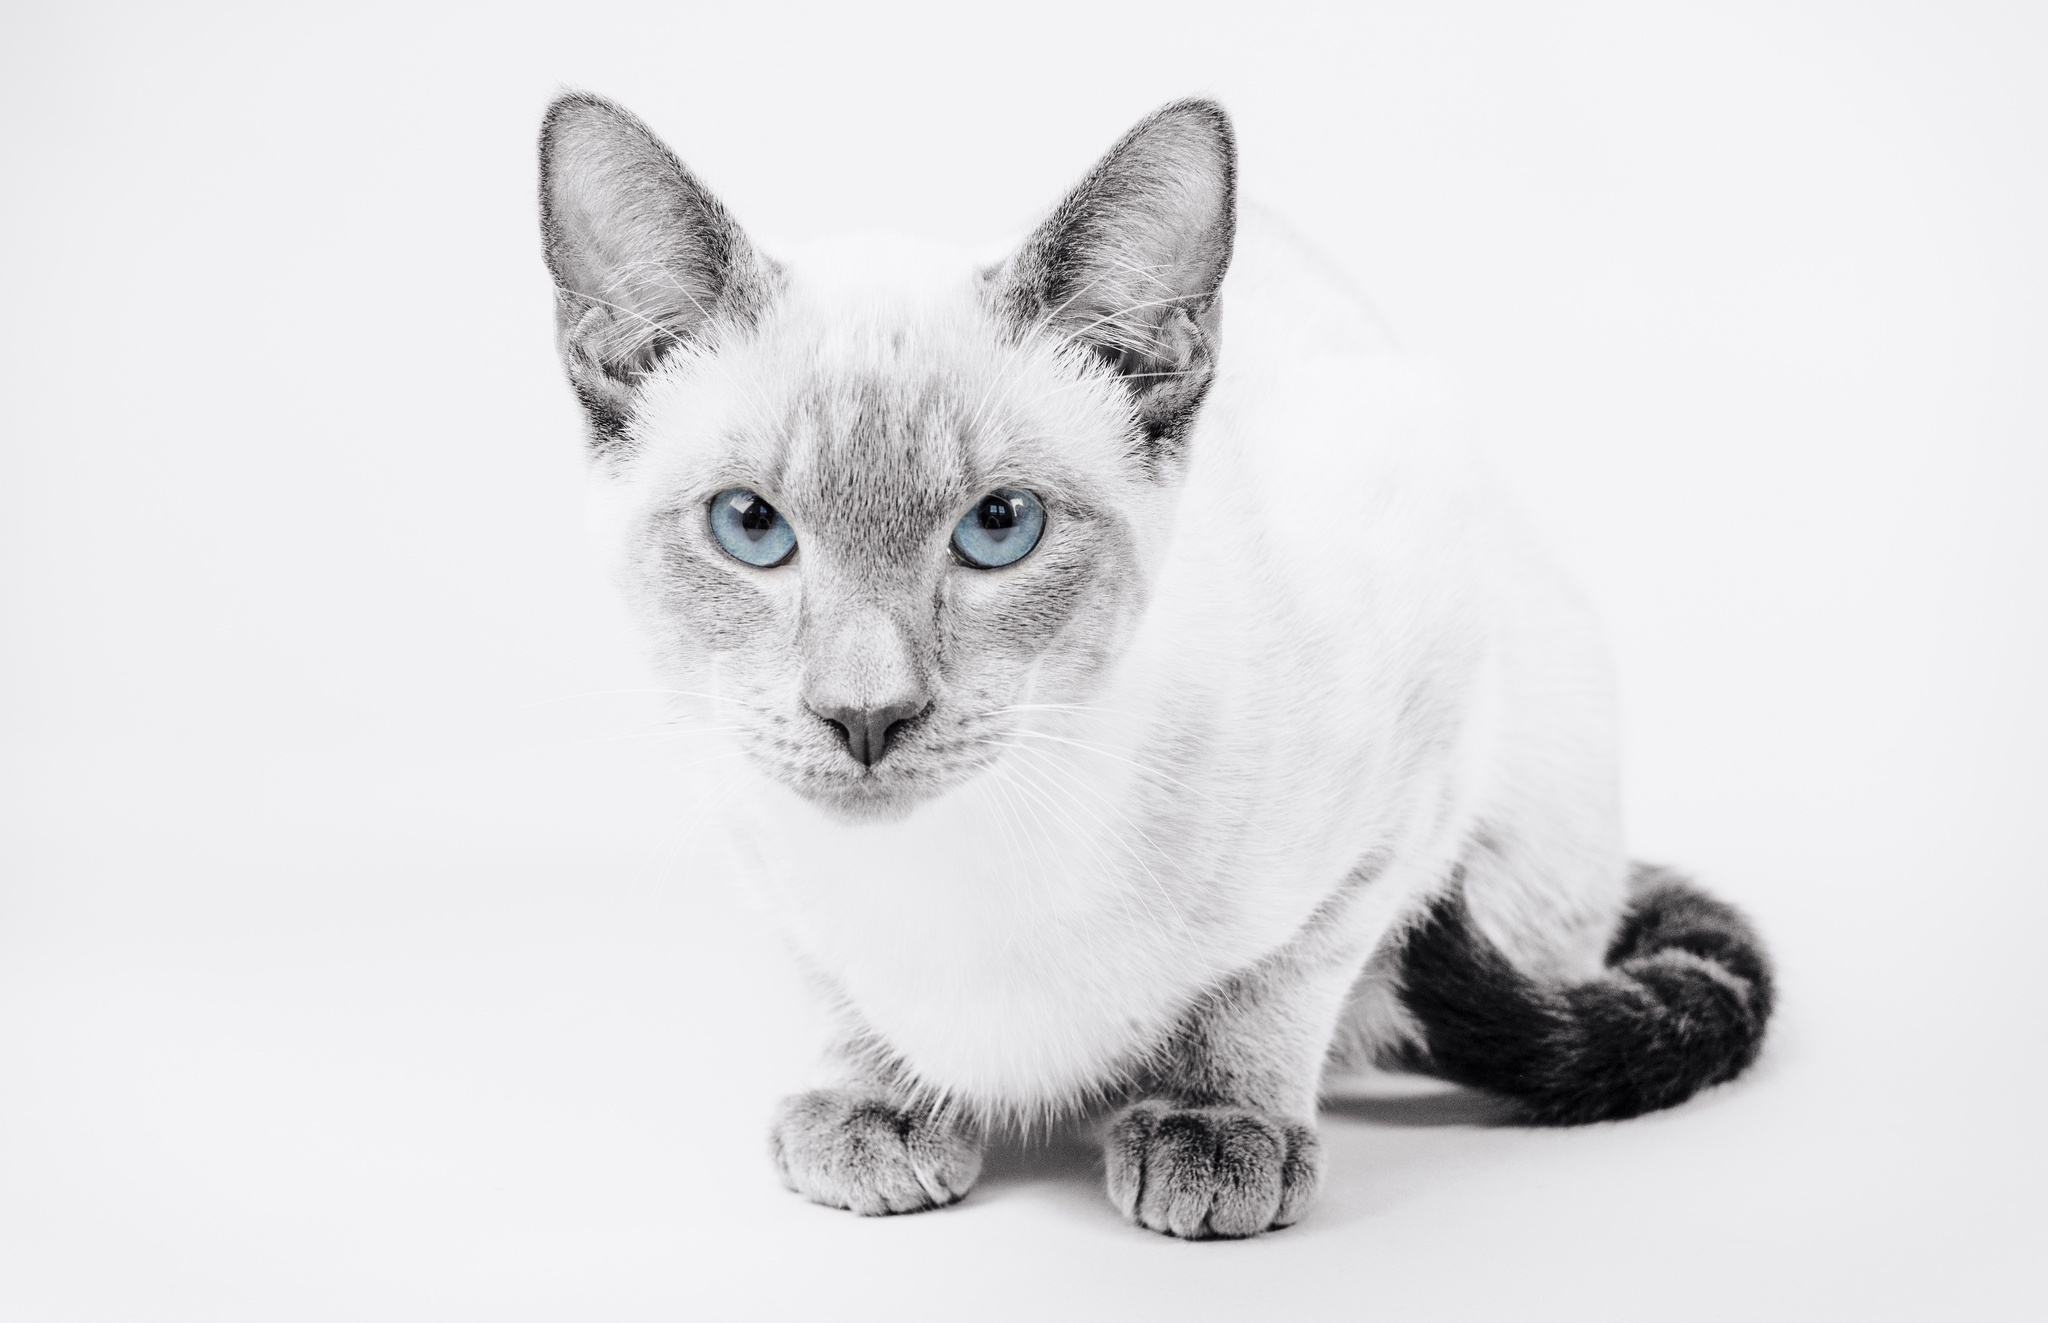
(879, 502)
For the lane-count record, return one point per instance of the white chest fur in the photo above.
(1017, 941)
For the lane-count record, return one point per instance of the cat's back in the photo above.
(1281, 288)
(1336, 465)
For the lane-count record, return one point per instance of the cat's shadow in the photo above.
(1065, 1163)
(1448, 1107)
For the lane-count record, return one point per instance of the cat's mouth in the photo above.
(868, 794)
(910, 766)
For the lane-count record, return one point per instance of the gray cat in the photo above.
(1129, 703)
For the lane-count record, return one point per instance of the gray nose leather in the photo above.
(867, 730)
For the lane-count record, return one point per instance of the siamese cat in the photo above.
(1135, 697)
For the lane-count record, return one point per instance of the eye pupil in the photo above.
(757, 520)
(996, 517)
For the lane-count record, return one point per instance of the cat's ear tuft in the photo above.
(643, 256)
(1128, 265)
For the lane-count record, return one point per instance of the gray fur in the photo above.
(1226, 1146)
(644, 258)
(865, 1152)
(1131, 261)
(1203, 1173)
(884, 620)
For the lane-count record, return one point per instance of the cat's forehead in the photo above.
(870, 379)
(874, 454)
(879, 389)
(883, 365)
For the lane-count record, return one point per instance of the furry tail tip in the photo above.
(1681, 1005)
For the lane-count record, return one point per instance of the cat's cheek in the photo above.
(1046, 636)
(1096, 639)
(1087, 607)
(716, 609)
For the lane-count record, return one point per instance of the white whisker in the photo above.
(1052, 784)
(1146, 768)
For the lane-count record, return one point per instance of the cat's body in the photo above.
(1317, 688)
(1152, 812)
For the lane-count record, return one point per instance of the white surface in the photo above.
(341, 976)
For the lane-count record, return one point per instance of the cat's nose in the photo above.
(867, 730)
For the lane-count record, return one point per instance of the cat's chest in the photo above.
(1018, 950)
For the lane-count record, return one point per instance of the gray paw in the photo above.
(860, 1151)
(1204, 1172)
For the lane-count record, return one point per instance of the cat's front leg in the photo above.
(862, 1149)
(1204, 1173)
(1226, 1147)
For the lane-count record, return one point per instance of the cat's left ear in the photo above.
(644, 257)
(1129, 264)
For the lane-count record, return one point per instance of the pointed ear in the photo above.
(644, 258)
(1127, 267)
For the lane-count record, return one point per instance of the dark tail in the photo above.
(1682, 1005)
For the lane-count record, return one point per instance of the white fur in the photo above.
(1363, 667)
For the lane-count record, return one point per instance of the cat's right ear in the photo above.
(1129, 266)
(644, 257)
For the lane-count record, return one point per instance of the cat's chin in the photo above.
(864, 800)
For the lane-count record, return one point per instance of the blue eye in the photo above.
(750, 529)
(1000, 530)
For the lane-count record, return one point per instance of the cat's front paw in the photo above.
(860, 1151)
(1211, 1172)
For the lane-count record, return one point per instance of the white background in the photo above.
(349, 968)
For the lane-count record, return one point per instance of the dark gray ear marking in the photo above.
(644, 258)
(1128, 265)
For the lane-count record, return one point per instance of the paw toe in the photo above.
(869, 1155)
(1209, 1172)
